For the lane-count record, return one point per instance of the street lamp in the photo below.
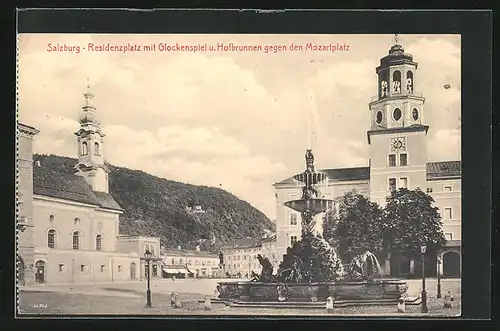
(424, 309)
(439, 276)
(147, 257)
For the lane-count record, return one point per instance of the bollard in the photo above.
(447, 300)
(216, 293)
(451, 296)
(177, 301)
(329, 305)
(208, 303)
(401, 305)
(172, 299)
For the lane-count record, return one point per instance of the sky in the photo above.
(238, 120)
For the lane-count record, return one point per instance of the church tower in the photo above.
(90, 140)
(397, 136)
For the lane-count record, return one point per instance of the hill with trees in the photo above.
(180, 214)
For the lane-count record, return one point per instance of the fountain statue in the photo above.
(310, 269)
(364, 267)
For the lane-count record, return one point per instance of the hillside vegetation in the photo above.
(160, 207)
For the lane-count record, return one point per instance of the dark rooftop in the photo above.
(188, 252)
(341, 174)
(435, 170)
(243, 243)
(446, 169)
(61, 185)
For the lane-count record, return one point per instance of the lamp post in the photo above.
(147, 258)
(439, 276)
(424, 309)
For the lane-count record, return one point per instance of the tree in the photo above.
(311, 259)
(357, 228)
(412, 221)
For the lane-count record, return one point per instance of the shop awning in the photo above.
(184, 271)
(171, 271)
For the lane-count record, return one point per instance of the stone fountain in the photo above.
(299, 283)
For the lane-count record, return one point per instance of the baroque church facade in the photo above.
(68, 223)
(397, 143)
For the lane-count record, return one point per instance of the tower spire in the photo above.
(396, 39)
(88, 95)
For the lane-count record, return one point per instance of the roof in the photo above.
(59, 184)
(188, 253)
(435, 170)
(446, 169)
(341, 174)
(410, 128)
(26, 129)
(269, 239)
(244, 243)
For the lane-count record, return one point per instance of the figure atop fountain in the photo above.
(309, 161)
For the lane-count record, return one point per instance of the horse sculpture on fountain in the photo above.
(364, 267)
(266, 275)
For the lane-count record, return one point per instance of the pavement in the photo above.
(109, 298)
(205, 287)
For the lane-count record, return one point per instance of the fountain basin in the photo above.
(314, 205)
(305, 292)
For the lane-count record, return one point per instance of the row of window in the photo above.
(243, 250)
(83, 267)
(403, 183)
(446, 188)
(252, 266)
(85, 150)
(52, 240)
(76, 221)
(403, 160)
(396, 83)
(197, 262)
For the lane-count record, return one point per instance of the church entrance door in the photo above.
(40, 272)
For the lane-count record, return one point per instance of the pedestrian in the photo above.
(173, 278)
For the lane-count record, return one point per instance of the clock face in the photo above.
(398, 144)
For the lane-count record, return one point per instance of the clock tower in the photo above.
(397, 136)
(90, 138)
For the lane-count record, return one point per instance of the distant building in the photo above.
(397, 140)
(183, 263)
(195, 209)
(240, 258)
(71, 222)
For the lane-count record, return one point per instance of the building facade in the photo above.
(397, 144)
(182, 263)
(71, 231)
(240, 258)
(25, 261)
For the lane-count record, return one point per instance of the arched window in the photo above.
(96, 149)
(51, 218)
(77, 221)
(409, 82)
(98, 242)
(396, 82)
(76, 240)
(85, 150)
(51, 238)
